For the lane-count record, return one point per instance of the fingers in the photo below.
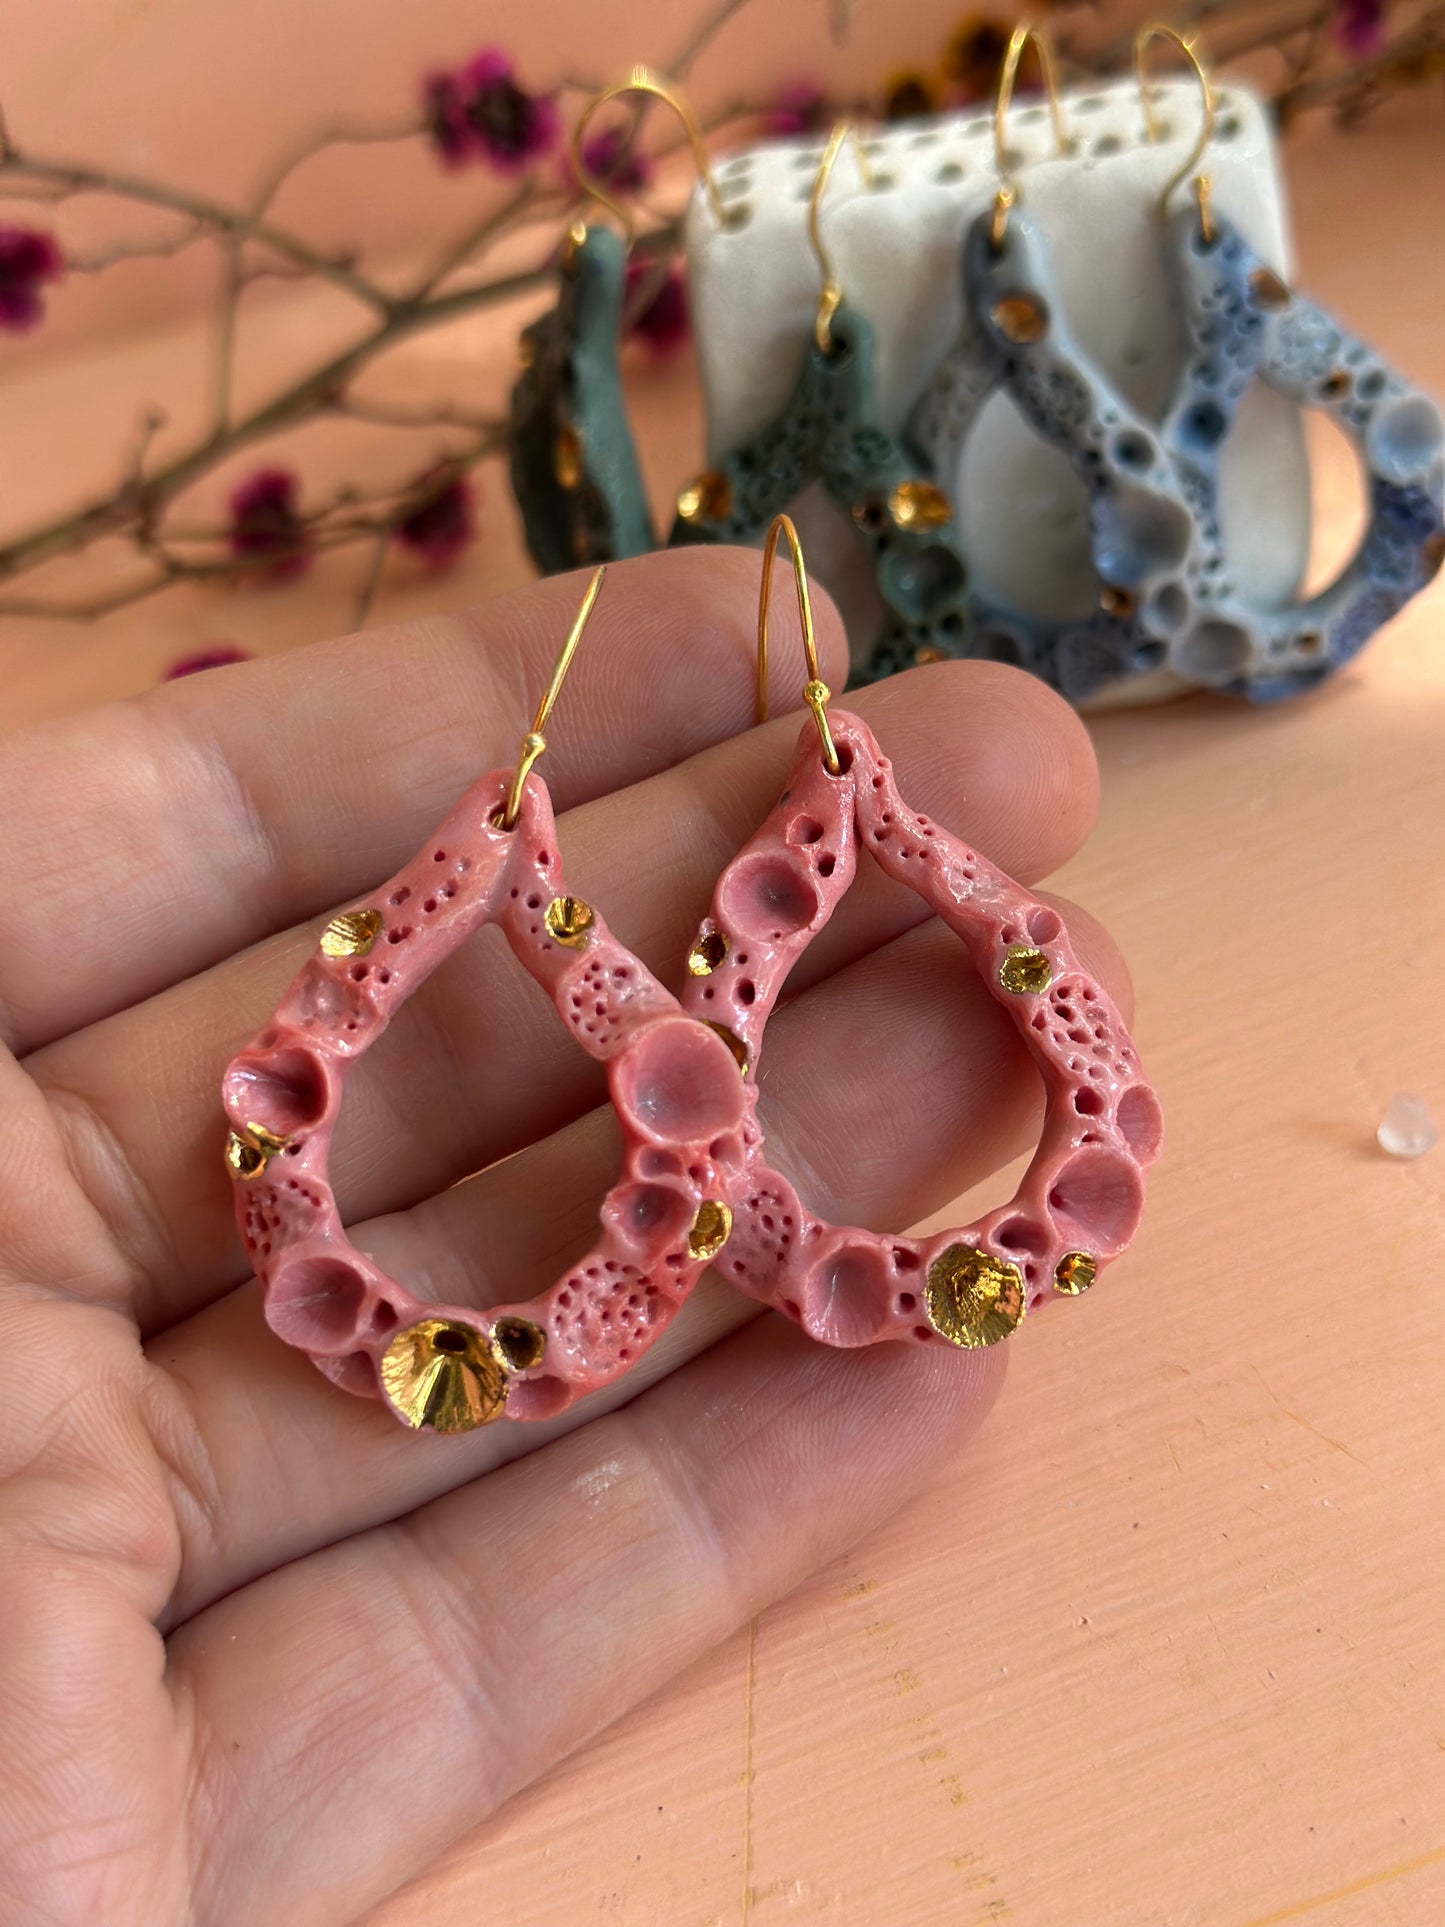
(150, 839)
(429, 1669)
(476, 1065)
(886, 1090)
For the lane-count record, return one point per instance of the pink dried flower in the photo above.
(1359, 27)
(607, 156)
(442, 524)
(663, 323)
(801, 107)
(480, 113)
(216, 657)
(265, 522)
(28, 259)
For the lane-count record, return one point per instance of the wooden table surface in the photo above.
(1168, 1647)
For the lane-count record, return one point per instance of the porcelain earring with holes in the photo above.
(1173, 609)
(829, 432)
(673, 1082)
(574, 467)
(1081, 1199)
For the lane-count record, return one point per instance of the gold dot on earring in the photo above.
(1074, 1273)
(707, 498)
(443, 1375)
(568, 919)
(972, 1298)
(919, 505)
(734, 1043)
(1266, 290)
(1020, 318)
(352, 934)
(567, 457)
(711, 1229)
(518, 1344)
(707, 953)
(1115, 601)
(1025, 971)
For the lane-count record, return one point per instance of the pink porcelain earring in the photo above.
(1082, 1196)
(673, 1083)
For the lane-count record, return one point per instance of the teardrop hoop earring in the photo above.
(574, 466)
(673, 1083)
(1081, 1199)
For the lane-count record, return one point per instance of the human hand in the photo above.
(263, 1653)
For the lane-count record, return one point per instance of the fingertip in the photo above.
(995, 756)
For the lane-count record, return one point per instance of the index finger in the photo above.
(149, 839)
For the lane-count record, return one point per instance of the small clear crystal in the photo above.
(1407, 1129)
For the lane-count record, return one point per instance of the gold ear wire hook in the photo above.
(1159, 30)
(641, 81)
(534, 743)
(1008, 75)
(831, 297)
(815, 691)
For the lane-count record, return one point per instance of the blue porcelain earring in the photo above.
(1167, 595)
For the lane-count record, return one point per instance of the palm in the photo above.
(263, 1653)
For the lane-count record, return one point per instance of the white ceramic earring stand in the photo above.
(897, 249)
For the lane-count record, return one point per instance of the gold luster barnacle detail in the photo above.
(1267, 290)
(518, 1344)
(919, 505)
(1115, 601)
(972, 1298)
(351, 934)
(444, 1375)
(1020, 318)
(707, 498)
(248, 1152)
(568, 919)
(1025, 971)
(1074, 1273)
(567, 457)
(707, 953)
(711, 1229)
(734, 1043)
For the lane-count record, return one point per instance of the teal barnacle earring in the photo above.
(574, 466)
(829, 432)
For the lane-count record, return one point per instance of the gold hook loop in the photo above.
(831, 297)
(1160, 30)
(1008, 191)
(642, 81)
(534, 743)
(815, 691)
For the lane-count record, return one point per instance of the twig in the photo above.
(73, 178)
(157, 250)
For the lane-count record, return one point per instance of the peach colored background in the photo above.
(1167, 1649)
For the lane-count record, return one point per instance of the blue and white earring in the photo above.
(1009, 304)
(1168, 598)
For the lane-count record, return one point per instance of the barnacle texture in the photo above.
(1168, 597)
(1082, 1196)
(675, 1085)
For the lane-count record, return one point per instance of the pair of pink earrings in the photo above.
(695, 1188)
